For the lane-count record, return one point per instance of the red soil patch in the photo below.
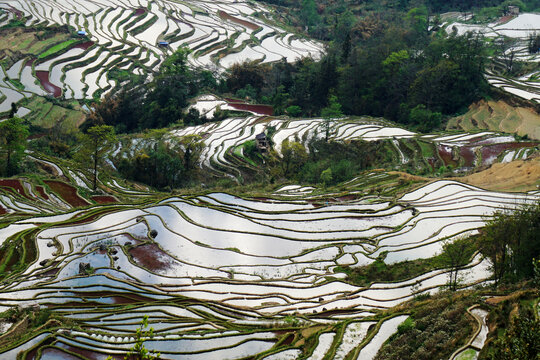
(51, 272)
(467, 154)
(222, 14)
(42, 193)
(15, 187)
(117, 298)
(85, 45)
(491, 152)
(445, 152)
(19, 13)
(67, 192)
(347, 197)
(259, 109)
(91, 218)
(151, 257)
(431, 161)
(505, 19)
(140, 11)
(43, 77)
(30, 62)
(2, 211)
(104, 199)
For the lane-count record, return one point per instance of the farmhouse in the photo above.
(262, 142)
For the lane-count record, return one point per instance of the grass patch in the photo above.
(380, 271)
(427, 149)
(469, 354)
(57, 48)
(45, 114)
(16, 83)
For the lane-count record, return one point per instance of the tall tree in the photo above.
(294, 156)
(192, 145)
(455, 255)
(332, 111)
(94, 144)
(13, 134)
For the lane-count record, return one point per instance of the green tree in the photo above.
(93, 146)
(424, 119)
(510, 240)
(294, 111)
(308, 13)
(193, 146)
(455, 255)
(332, 111)
(13, 134)
(418, 19)
(521, 341)
(294, 155)
(139, 351)
(326, 176)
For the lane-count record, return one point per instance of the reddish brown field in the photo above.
(150, 257)
(43, 77)
(259, 109)
(15, 187)
(85, 45)
(67, 192)
(445, 154)
(493, 151)
(42, 193)
(104, 199)
(247, 24)
(467, 154)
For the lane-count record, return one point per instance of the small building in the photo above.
(262, 142)
(81, 33)
(513, 10)
(163, 43)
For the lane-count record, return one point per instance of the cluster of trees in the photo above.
(327, 162)
(157, 104)
(324, 18)
(511, 241)
(433, 331)
(164, 163)
(401, 73)
(13, 135)
(521, 339)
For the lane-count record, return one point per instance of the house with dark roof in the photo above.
(262, 142)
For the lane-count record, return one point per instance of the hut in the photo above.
(513, 10)
(262, 142)
(163, 43)
(81, 33)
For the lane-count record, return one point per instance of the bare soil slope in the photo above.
(519, 175)
(499, 116)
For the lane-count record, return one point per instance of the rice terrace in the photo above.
(279, 180)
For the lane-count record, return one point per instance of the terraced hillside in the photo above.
(224, 142)
(125, 37)
(518, 29)
(236, 272)
(221, 276)
(499, 116)
(227, 276)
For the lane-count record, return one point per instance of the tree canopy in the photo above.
(13, 134)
